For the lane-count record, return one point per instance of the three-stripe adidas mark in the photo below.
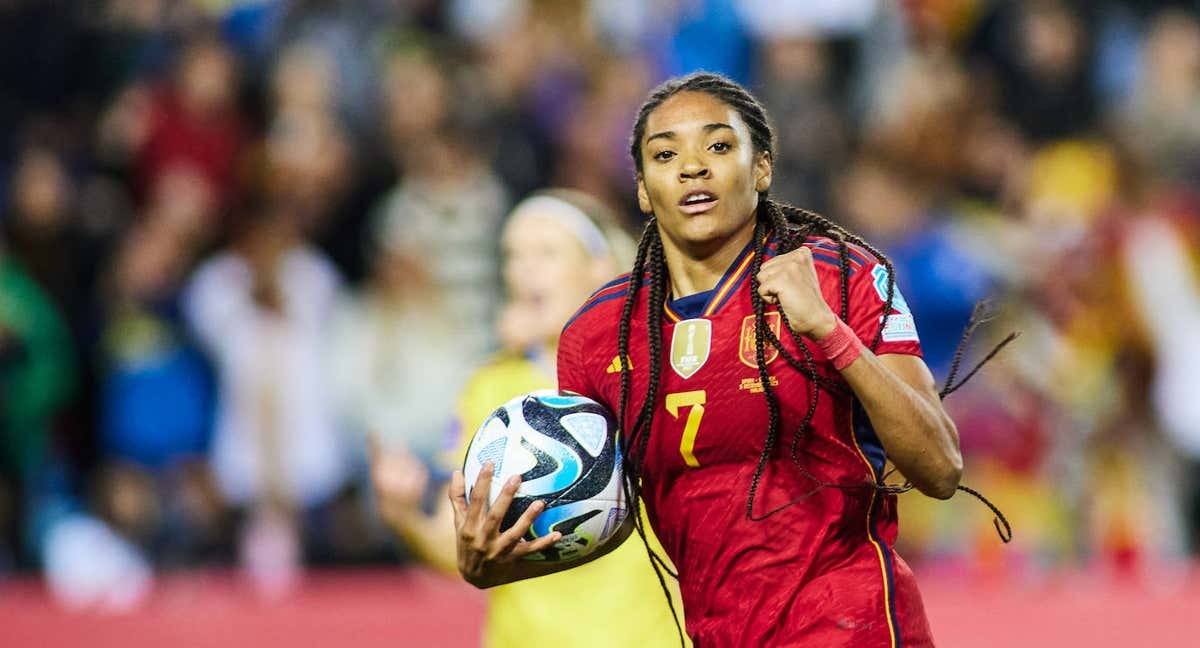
(615, 365)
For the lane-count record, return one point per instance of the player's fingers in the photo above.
(457, 494)
(499, 508)
(477, 505)
(769, 274)
(512, 537)
(513, 534)
(534, 546)
(766, 290)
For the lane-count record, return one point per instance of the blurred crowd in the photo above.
(242, 241)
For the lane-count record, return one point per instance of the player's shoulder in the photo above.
(601, 309)
(827, 253)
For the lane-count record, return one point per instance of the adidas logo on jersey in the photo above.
(615, 365)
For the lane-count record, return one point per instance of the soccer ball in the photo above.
(564, 447)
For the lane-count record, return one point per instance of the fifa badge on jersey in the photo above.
(747, 345)
(689, 346)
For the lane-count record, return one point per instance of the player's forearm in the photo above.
(917, 434)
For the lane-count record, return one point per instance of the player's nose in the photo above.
(692, 169)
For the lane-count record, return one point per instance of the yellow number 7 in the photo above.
(694, 400)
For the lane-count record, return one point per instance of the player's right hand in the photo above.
(487, 556)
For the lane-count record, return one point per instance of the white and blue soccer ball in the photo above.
(564, 447)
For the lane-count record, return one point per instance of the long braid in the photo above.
(762, 329)
(790, 239)
(760, 359)
(793, 228)
(844, 236)
(636, 279)
(649, 251)
(978, 318)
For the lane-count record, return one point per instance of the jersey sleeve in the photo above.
(572, 363)
(868, 296)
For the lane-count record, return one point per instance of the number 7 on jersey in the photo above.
(695, 400)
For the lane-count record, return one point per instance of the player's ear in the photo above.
(643, 197)
(762, 172)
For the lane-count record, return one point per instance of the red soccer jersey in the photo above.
(821, 572)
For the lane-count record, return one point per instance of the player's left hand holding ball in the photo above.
(485, 553)
(790, 280)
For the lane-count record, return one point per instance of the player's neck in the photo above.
(696, 269)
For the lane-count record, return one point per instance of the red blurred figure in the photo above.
(194, 123)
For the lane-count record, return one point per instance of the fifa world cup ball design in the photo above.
(565, 448)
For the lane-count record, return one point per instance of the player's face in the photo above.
(700, 173)
(548, 273)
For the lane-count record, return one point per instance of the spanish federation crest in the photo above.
(747, 351)
(689, 346)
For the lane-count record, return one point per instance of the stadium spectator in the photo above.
(447, 209)
(262, 311)
(156, 402)
(191, 122)
(37, 377)
(396, 346)
(1162, 117)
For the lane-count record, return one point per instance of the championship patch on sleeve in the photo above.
(900, 325)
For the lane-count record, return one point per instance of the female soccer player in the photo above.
(744, 319)
(558, 246)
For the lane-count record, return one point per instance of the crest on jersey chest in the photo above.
(747, 349)
(690, 344)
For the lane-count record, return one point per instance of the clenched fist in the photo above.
(790, 281)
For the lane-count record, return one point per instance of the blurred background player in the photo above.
(558, 246)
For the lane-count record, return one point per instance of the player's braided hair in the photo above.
(790, 227)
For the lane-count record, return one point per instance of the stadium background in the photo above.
(358, 156)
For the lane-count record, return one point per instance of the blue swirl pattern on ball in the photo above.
(565, 448)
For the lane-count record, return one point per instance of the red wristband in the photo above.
(841, 346)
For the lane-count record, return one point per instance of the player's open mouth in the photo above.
(697, 202)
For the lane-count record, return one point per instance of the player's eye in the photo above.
(720, 147)
(663, 156)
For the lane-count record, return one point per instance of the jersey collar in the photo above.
(725, 288)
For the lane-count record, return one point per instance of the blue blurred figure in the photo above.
(895, 210)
